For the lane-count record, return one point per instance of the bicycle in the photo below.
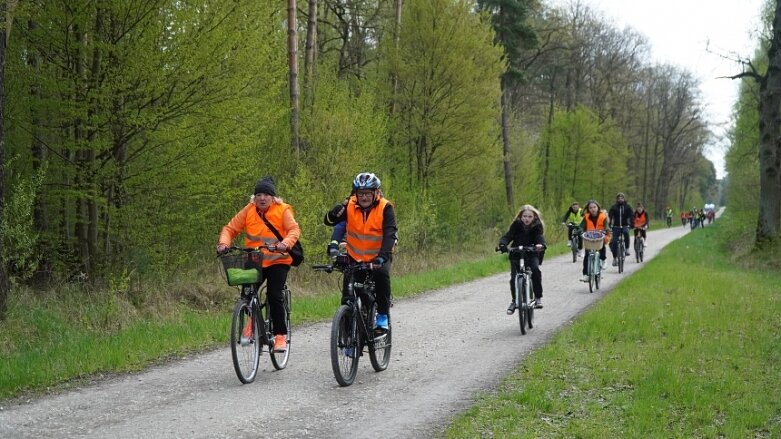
(639, 246)
(252, 330)
(524, 299)
(593, 241)
(620, 246)
(574, 242)
(353, 325)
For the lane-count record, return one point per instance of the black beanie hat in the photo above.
(266, 186)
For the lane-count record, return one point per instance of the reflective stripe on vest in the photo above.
(364, 237)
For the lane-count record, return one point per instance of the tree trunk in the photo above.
(508, 171)
(292, 49)
(770, 141)
(396, 36)
(4, 284)
(311, 54)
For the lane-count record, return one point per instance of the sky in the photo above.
(696, 35)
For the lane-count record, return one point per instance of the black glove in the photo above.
(333, 249)
(503, 248)
(336, 211)
(379, 261)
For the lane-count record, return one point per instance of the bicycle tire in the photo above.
(591, 271)
(574, 246)
(246, 356)
(279, 359)
(621, 255)
(522, 305)
(380, 347)
(344, 336)
(638, 251)
(529, 307)
(642, 252)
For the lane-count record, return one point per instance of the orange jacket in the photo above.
(364, 233)
(248, 220)
(641, 219)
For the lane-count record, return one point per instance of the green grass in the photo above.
(690, 346)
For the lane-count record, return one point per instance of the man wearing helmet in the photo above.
(371, 234)
(621, 219)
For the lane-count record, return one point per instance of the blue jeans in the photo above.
(614, 241)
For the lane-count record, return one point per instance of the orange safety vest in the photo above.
(600, 225)
(364, 233)
(259, 234)
(641, 219)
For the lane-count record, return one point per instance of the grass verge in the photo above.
(690, 346)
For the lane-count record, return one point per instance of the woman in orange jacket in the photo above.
(264, 211)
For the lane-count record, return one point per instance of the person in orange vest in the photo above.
(264, 211)
(640, 222)
(371, 235)
(595, 219)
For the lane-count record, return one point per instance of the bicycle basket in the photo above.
(593, 240)
(242, 268)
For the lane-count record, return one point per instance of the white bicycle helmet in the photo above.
(366, 180)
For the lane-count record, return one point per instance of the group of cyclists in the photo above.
(365, 223)
(527, 229)
(365, 220)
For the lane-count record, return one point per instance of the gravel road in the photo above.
(450, 345)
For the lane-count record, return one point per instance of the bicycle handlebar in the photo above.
(233, 248)
(521, 248)
(345, 266)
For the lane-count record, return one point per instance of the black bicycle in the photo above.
(574, 242)
(639, 245)
(524, 297)
(353, 326)
(620, 246)
(252, 330)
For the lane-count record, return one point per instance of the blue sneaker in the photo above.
(382, 321)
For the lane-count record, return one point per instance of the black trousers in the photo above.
(276, 276)
(531, 261)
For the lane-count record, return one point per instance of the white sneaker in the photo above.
(569, 244)
(585, 278)
(604, 264)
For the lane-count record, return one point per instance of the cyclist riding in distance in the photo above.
(668, 214)
(595, 219)
(265, 209)
(641, 222)
(621, 217)
(526, 230)
(574, 215)
(371, 235)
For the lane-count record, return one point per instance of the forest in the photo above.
(133, 130)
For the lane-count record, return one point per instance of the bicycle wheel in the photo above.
(529, 307)
(245, 350)
(574, 246)
(345, 346)
(279, 359)
(642, 250)
(621, 256)
(592, 271)
(380, 348)
(523, 305)
(638, 250)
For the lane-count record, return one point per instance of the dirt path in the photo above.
(449, 346)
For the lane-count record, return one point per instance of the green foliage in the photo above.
(585, 159)
(18, 235)
(448, 107)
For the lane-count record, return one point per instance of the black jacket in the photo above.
(621, 215)
(519, 234)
